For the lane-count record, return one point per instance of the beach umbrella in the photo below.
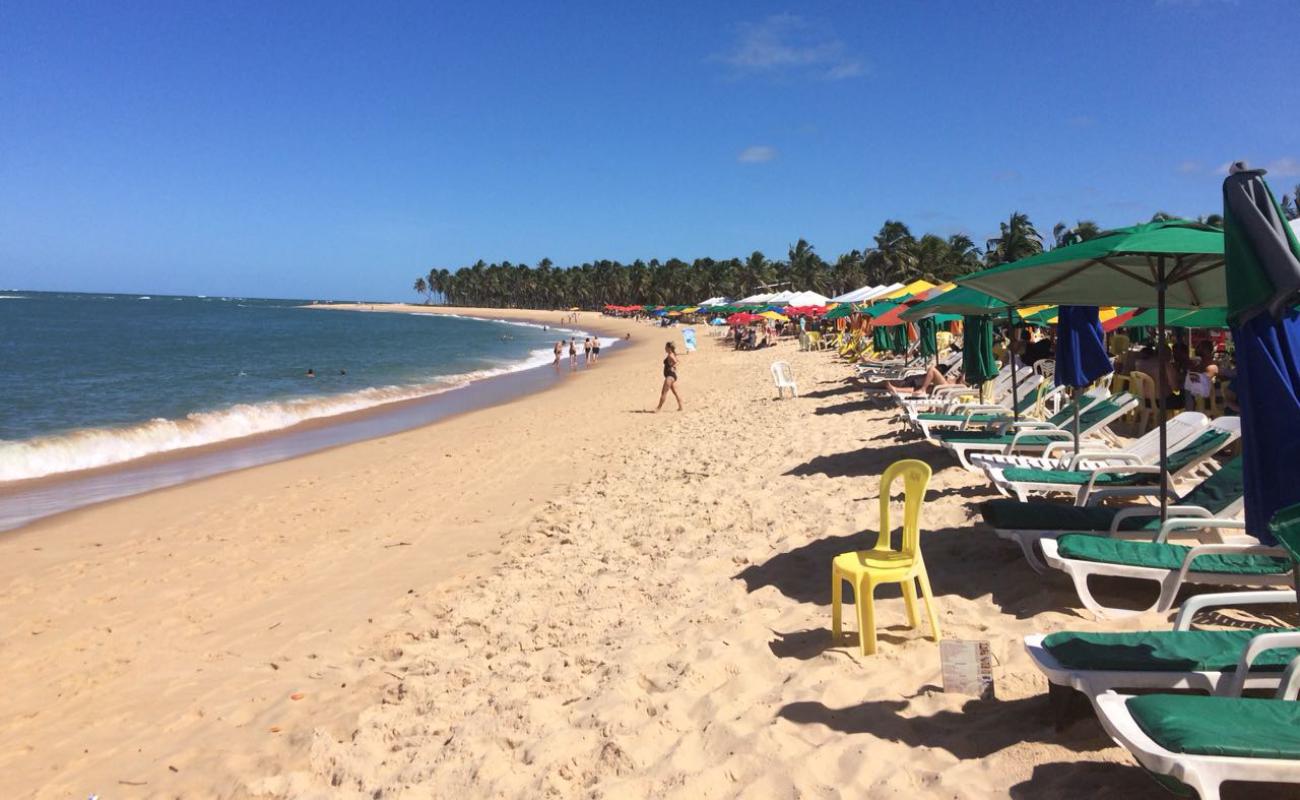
(1165, 264)
(1181, 318)
(897, 339)
(977, 361)
(880, 339)
(774, 315)
(840, 311)
(1081, 355)
(926, 331)
(1263, 285)
(879, 309)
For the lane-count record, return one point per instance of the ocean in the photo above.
(92, 380)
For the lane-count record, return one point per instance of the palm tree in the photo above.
(752, 273)
(421, 287)
(892, 260)
(1017, 239)
(1082, 231)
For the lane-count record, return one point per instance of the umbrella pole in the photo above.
(1161, 391)
(1015, 381)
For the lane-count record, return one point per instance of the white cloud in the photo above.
(756, 154)
(1285, 167)
(784, 44)
(845, 70)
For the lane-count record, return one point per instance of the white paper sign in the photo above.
(967, 667)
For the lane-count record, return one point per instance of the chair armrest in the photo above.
(1200, 602)
(1154, 511)
(1196, 523)
(1049, 432)
(1262, 644)
(1112, 457)
(1213, 549)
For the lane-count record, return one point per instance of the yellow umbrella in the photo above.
(911, 288)
(690, 310)
(776, 316)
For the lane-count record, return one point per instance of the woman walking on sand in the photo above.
(573, 355)
(670, 377)
(559, 348)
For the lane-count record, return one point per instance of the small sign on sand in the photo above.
(967, 667)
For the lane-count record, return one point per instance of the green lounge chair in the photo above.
(1097, 410)
(1203, 741)
(1128, 472)
(1241, 563)
(1217, 497)
(1210, 661)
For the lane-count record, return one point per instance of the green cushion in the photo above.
(1105, 550)
(1244, 727)
(1285, 527)
(1044, 515)
(984, 418)
(1069, 477)
(1164, 651)
(1220, 490)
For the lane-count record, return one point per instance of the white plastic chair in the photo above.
(784, 379)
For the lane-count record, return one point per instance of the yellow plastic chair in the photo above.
(867, 569)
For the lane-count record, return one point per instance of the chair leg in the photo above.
(837, 591)
(909, 601)
(924, 581)
(864, 596)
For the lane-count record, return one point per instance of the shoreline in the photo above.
(28, 501)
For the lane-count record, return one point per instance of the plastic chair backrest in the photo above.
(916, 478)
(1119, 344)
(1180, 430)
(1045, 367)
(781, 374)
(1142, 387)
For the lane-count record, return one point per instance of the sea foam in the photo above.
(100, 447)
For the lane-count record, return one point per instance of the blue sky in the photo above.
(339, 149)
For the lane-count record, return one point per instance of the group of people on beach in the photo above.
(590, 351)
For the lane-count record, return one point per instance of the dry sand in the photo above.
(564, 596)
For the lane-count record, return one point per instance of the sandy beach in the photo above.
(562, 596)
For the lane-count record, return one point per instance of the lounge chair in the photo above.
(942, 398)
(1204, 741)
(973, 415)
(1202, 660)
(1098, 473)
(1245, 562)
(1096, 411)
(1216, 497)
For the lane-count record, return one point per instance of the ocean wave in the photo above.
(101, 447)
(12, 297)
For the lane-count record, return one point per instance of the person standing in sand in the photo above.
(573, 355)
(559, 349)
(586, 350)
(595, 348)
(670, 377)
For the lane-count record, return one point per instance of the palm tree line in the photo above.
(894, 255)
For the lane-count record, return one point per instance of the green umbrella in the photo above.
(1166, 264)
(1181, 318)
(880, 339)
(897, 339)
(926, 329)
(879, 308)
(959, 301)
(840, 312)
(977, 361)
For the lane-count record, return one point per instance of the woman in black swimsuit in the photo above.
(670, 377)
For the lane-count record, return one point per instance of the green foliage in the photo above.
(894, 255)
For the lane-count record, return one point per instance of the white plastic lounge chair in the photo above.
(1213, 661)
(1097, 411)
(1220, 496)
(974, 415)
(1245, 562)
(1094, 474)
(784, 379)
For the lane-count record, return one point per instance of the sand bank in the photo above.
(563, 596)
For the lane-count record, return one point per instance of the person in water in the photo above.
(311, 373)
(595, 348)
(573, 355)
(559, 348)
(586, 350)
(670, 377)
